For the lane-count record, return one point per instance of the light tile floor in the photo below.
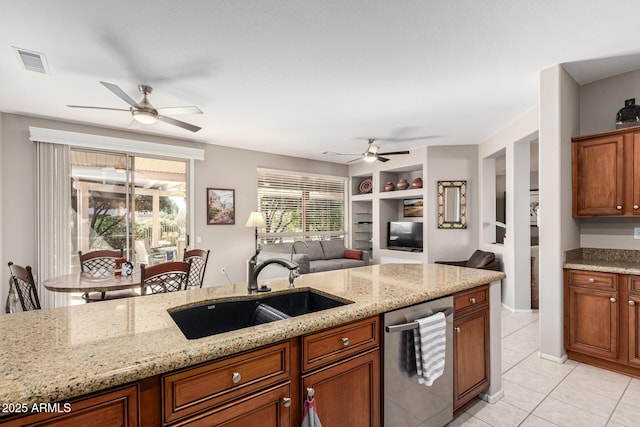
(543, 393)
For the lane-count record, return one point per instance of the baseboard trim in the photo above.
(492, 398)
(559, 360)
(517, 310)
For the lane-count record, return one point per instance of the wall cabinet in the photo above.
(471, 371)
(606, 174)
(602, 321)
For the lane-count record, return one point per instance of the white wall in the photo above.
(516, 287)
(449, 163)
(223, 167)
(559, 119)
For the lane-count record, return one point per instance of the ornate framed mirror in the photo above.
(452, 204)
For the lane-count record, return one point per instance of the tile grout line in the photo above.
(618, 403)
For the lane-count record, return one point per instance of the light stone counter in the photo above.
(53, 355)
(621, 261)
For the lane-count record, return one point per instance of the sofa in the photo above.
(479, 259)
(323, 255)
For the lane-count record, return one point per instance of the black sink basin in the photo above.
(224, 316)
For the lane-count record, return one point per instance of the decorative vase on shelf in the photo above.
(417, 183)
(389, 186)
(403, 184)
(629, 115)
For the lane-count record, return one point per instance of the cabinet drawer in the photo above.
(333, 344)
(594, 280)
(634, 284)
(471, 300)
(196, 389)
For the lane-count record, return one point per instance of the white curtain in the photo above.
(53, 219)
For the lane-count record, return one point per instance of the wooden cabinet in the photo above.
(602, 320)
(196, 389)
(116, 407)
(606, 174)
(471, 371)
(342, 366)
(591, 313)
(632, 307)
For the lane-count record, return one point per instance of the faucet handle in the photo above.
(293, 273)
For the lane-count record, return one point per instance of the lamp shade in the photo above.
(145, 117)
(256, 219)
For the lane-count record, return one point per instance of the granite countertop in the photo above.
(623, 261)
(53, 355)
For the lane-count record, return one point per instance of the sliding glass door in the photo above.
(128, 202)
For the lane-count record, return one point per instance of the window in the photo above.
(300, 206)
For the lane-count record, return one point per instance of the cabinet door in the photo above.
(598, 176)
(264, 409)
(636, 174)
(634, 330)
(347, 393)
(470, 356)
(593, 322)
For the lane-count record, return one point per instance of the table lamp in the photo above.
(256, 219)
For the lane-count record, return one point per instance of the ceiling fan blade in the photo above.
(120, 93)
(179, 123)
(179, 110)
(97, 108)
(391, 153)
(333, 153)
(383, 159)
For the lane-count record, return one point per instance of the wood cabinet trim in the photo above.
(327, 346)
(195, 389)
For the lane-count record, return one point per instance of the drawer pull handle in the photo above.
(619, 207)
(345, 341)
(286, 402)
(636, 207)
(612, 299)
(632, 303)
(592, 280)
(472, 300)
(236, 377)
(457, 329)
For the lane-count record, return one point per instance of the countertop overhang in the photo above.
(56, 354)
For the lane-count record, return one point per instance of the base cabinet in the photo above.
(602, 320)
(114, 408)
(338, 386)
(471, 371)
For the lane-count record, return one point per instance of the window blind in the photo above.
(299, 206)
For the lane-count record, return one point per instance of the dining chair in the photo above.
(170, 276)
(102, 263)
(198, 258)
(147, 256)
(25, 287)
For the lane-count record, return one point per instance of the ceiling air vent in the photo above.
(33, 61)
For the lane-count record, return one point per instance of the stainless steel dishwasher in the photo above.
(406, 402)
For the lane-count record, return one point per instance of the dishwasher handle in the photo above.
(414, 325)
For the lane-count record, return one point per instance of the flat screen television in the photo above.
(404, 236)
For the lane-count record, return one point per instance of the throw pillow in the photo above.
(353, 254)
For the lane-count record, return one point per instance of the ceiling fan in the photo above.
(371, 154)
(146, 113)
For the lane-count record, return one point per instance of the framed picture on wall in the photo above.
(534, 205)
(412, 208)
(221, 205)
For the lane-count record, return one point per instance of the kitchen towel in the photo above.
(430, 344)
(310, 417)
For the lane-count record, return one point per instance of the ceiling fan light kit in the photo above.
(144, 117)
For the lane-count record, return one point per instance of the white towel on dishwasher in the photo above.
(430, 341)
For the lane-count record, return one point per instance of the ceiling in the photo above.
(301, 77)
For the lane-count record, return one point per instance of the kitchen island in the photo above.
(55, 355)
